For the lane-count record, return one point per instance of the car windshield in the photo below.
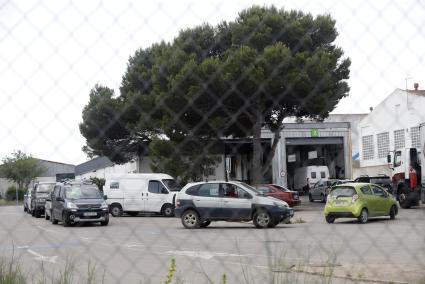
(281, 188)
(172, 184)
(44, 188)
(251, 188)
(342, 191)
(82, 192)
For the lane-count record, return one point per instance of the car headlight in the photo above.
(280, 205)
(104, 205)
(71, 205)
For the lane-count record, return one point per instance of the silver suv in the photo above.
(197, 204)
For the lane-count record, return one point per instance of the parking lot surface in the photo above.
(140, 249)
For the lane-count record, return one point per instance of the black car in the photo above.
(76, 202)
(381, 180)
(39, 193)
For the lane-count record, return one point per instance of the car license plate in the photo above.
(90, 214)
(340, 203)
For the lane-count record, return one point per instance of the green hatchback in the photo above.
(359, 200)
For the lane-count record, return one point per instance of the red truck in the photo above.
(408, 179)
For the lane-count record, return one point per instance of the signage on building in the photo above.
(314, 133)
(292, 158)
(312, 155)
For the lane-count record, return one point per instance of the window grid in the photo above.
(399, 139)
(414, 136)
(367, 145)
(383, 144)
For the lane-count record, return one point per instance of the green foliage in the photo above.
(171, 271)
(212, 82)
(100, 182)
(11, 273)
(11, 193)
(21, 168)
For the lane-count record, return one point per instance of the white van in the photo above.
(306, 177)
(134, 193)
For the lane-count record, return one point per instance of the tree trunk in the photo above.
(270, 155)
(257, 154)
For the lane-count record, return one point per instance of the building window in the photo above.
(414, 135)
(383, 144)
(399, 141)
(367, 144)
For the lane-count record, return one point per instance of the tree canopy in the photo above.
(211, 82)
(21, 168)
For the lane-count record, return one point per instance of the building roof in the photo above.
(92, 165)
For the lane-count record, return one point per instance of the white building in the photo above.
(391, 125)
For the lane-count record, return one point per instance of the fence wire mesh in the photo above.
(226, 93)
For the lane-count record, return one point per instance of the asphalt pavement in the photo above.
(141, 249)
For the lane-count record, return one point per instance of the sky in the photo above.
(53, 52)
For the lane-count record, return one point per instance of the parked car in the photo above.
(27, 200)
(39, 193)
(277, 191)
(381, 180)
(75, 202)
(306, 177)
(361, 201)
(134, 193)
(198, 204)
(320, 189)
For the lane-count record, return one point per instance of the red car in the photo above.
(280, 192)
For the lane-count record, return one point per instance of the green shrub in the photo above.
(11, 193)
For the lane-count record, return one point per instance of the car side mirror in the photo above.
(105, 197)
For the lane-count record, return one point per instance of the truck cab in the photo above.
(405, 165)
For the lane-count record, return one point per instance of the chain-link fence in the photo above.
(259, 111)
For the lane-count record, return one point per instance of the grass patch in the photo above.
(4, 202)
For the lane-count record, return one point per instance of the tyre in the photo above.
(32, 211)
(393, 212)
(402, 199)
(330, 219)
(190, 219)
(46, 216)
(322, 198)
(205, 224)
(364, 216)
(262, 219)
(167, 210)
(310, 198)
(116, 210)
(25, 209)
(37, 213)
(53, 220)
(106, 222)
(65, 221)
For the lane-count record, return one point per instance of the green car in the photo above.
(359, 200)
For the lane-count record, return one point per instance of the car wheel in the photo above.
(262, 219)
(205, 224)
(190, 219)
(364, 216)
(37, 213)
(330, 219)
(47, 217)
(65, 221)
(167, 210)
(32, 211)
(393, 212)
(322, 198)
(25, 209)
(116, 210)
(310, 198)
(106, 222)
(52, 218)
(402, 199)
